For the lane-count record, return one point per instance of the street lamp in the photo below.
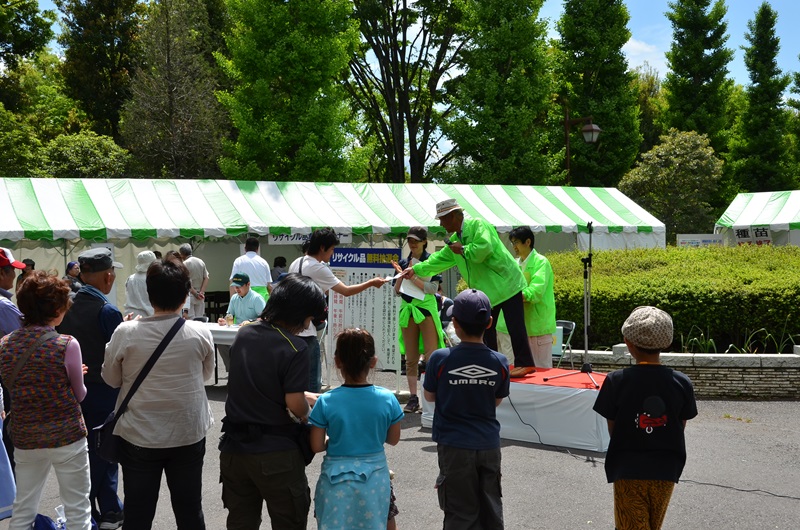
(591, 132)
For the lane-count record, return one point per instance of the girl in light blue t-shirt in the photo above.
(353, 490)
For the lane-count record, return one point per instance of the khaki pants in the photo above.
(541, 348)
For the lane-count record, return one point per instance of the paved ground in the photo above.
(743, 472)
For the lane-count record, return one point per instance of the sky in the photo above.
(652, 32)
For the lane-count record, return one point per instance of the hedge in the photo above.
(737, 299)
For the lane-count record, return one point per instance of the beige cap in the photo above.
(649, 328)
(446, 206)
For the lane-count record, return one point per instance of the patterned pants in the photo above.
(641, 504)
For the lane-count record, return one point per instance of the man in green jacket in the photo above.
(485, 264)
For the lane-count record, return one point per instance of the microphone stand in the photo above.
(587, 294)
(586, 368)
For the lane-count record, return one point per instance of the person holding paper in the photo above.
(419, 315)
(485, 264)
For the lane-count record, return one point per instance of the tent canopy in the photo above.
(776, 210)
(138, 209)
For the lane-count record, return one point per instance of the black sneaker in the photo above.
(111, 521)
(412, 405)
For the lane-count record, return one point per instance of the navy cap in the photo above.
(280, 277)
(471, 306)
(97, 260)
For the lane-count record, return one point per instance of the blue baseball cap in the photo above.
(471, 306)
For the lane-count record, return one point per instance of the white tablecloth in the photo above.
(223, 335)
(549, 415)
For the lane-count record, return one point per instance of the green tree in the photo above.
(793, 125)
(173, 124)
(676, 182)
(19, 146)
(83, 155)
(100, 40)
(501, 102)
(650, 97)
(697, 85)
(285, 60)
(396, 81)
(597, 83)
(758, 155)
(23, 30)
(42, 103)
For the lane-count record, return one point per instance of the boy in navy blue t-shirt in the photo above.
(647, 406)
(467, 383)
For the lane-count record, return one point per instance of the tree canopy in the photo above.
(597, 83)
(697, 84)
(676, 182)
(173, 123)
(283, 64)
(758, 152)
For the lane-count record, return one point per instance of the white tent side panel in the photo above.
(779, 211)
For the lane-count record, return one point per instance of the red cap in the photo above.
(6, 259)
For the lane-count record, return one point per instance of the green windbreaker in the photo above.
(540, 303)
(486, 264)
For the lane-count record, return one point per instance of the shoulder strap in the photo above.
(149, 365)
(25, 356)
(300, 268)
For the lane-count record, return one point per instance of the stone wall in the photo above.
(715, 376)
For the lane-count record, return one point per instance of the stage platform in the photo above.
(556, 412)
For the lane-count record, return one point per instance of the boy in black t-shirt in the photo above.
(647, 406)
(467, 383)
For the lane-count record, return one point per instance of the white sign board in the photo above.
(700, 240)
(374, 310)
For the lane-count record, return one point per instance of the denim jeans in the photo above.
(99, 402)
(142, 468)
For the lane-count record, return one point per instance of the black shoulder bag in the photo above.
(106, 442)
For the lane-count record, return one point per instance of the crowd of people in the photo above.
(69, 358)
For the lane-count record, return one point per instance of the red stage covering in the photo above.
(577, 379)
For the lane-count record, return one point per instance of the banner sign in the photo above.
(754, 235)
(374, 309)
(700, 240)
(299, 239)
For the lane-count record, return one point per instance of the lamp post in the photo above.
(590, 131)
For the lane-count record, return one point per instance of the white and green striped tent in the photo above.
(140, 209)
(767, 215)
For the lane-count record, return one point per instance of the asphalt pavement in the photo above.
(743, 472)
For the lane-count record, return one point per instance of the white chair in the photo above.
(569, 328)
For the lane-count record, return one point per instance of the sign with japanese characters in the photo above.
(700, 240)
(299, 239)
(753, 235)
(374, 309)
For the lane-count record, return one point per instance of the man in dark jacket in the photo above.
(92, 320)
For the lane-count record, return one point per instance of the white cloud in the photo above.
(639, 52)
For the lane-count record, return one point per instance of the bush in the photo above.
(83, 155)
(744, 296)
